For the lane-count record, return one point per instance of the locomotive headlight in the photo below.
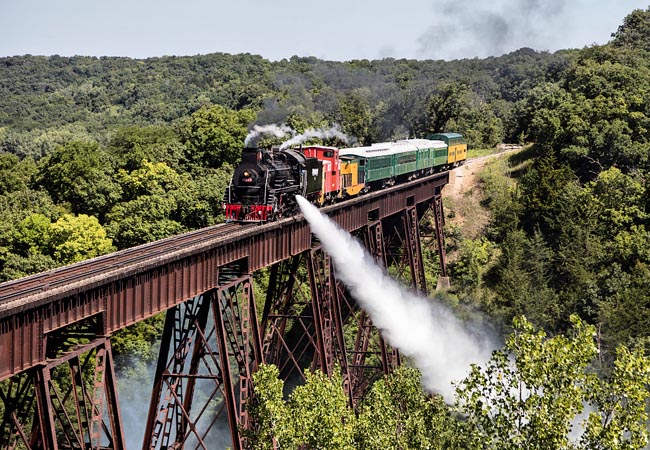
(247, 177)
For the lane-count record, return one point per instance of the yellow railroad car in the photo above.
(457, 147)
(352, 176)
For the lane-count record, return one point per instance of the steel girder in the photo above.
(304, 326)
(371, 357)
(439, 221)
(209, 350)
(291, 340)
(79, 411)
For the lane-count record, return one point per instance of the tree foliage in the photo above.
(75, 238)
(79, 175)
(634, 33)
(395, 414)
(538, 392)
(214, 135)
(529, 394)
(315, 416)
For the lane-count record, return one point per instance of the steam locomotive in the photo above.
(264, 185)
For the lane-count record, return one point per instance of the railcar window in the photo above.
(380, 163)
(328, 154)
(406, 159)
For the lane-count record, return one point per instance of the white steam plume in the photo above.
(258, 130)
(422, 329)
(334, 132)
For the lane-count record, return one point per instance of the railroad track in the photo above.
(23, 290)
(54, 278)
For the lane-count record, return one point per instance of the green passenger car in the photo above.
(391, 161)
(430, 153)
(377, 161)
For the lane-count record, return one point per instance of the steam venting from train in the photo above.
(322, 133)
(280, 131)
(258, 131)
(440, 345)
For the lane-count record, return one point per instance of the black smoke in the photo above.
(466, 28)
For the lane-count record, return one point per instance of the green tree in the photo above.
(200, 198)
(397, 413)
(315, 416)
(38, 244)
(133, 145)
(150, 179)
(445, 104)
(79, 174)
(529, 393)
(32, 234)
(355, 115)
(619, 200)
(268, 411)
(215, 135)
(14, 266)
(75, 238)
(472, 262)
(144, 219)
(319, 413)
(624, 309)
(540, 189)
(619, 421)
(634, 33)
(26, 218)
(15, 174)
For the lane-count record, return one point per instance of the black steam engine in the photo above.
(265, 184)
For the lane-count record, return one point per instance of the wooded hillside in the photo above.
(98, 154)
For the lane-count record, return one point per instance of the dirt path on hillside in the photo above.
(463, 178)
(462, 198)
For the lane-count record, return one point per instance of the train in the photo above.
(265, 183)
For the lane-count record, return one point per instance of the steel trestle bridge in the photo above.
(57, 377)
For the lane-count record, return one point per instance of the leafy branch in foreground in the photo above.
(530, 393)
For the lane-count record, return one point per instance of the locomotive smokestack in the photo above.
(251, 155)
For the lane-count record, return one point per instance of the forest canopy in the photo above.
(99, 154)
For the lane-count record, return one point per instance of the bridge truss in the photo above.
(57, 325)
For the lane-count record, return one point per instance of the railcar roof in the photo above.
(391, 148)
(427, 143)
(323, 147)
(449, 135)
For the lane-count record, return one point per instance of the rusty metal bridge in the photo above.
(57, 377)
